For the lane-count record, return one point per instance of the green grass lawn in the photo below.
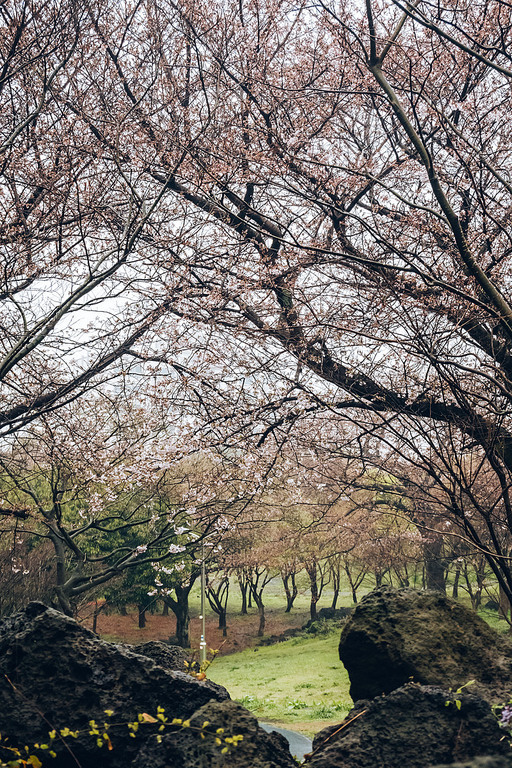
(300, 683)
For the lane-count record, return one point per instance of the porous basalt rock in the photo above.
(170, 657)
(186, 749)
(414, 726)
(395, 635)
(481, 762)
(54, 673)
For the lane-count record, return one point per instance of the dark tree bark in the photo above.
(455, 587)
(289, 581)
(505, 606)
(218, 594)
(335, 571)
(99, 607)
(354, 581)
(244, 588)
(258, 578)
(179, 606)
(258, 599)
(435, 563)
(319, 576)
(313, 585)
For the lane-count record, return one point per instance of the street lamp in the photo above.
(202, 644)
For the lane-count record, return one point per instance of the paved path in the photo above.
(299, 745)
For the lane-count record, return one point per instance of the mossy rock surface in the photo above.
(54, 673)
(170, 657)
(412, 727)
(186, 748)
(482, 762)
(397, 635)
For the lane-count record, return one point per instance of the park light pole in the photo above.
(202, 644)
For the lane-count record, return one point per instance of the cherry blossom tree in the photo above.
(296, 217)
(107, 489)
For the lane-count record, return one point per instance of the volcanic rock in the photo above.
(414, 726)
(482, 762)
(186, 748)
(56, 674)
(170, 657)
(397, 635)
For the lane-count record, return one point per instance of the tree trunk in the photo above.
(182, 626)
(353, 587)
(505, 606)
(63, 598)
(98, 608)
(311, 570)
(434, 564)
(292, 593)
(335, 571)
(261, 612)
(434, 575)
(64, 604)
(455, 588)
(217, 595)
(258, 599)
(180, 609)
(142, 615)
(242, 583)
(403, 579)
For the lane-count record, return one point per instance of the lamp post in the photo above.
(202, 644)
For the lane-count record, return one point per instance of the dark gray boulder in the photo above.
(482, 762)
(54, 673)
(170, 657)
(186, 748)
(414, 726)
(333, 614)
(396, 635)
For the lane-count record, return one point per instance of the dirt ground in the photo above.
(241, 632)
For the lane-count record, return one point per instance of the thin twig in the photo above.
(341, 728)
(20, 693)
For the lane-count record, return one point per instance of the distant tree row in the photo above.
(99, 503)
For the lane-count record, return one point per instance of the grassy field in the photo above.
(300, 684)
